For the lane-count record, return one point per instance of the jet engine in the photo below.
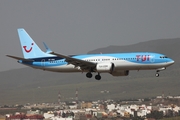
(105, 67)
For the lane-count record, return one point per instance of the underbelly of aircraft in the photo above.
(118, 66)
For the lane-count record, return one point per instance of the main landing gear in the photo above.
(89, 75)
(98, 77)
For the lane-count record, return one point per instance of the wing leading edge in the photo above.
(84, 65)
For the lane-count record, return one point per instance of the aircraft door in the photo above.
(152, 58)
(43, 62)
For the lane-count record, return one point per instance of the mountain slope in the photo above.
(169, 47)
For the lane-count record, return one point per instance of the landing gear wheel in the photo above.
(89, 75)
(157, 74)
(97, 77)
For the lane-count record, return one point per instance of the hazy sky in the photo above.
(78, 26)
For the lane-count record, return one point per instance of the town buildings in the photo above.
(94, 110)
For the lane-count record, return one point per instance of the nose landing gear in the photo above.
(157, 74)
(158, 70)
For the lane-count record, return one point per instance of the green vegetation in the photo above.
(11, 111)
(119, 88)
(155, 114)
(171, 118)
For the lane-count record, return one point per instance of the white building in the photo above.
(111, 107)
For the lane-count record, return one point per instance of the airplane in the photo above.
(116, 64)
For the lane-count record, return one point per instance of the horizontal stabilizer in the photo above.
(19, 58)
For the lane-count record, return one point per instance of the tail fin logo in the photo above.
(25, 48)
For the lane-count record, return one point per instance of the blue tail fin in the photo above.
(29, 47)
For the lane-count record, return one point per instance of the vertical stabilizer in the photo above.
(29, 47)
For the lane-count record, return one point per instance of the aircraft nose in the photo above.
(171, 62)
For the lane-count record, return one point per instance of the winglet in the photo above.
(48, 50)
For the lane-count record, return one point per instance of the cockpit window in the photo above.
(163, 57)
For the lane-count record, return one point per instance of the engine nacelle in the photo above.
(120, 73)
(105, 67)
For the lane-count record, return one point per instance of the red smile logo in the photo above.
(29, 49)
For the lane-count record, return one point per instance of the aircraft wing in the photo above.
(19, 58)
(84, 65)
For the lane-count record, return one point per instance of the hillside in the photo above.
(168, 47)
(29, 85)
